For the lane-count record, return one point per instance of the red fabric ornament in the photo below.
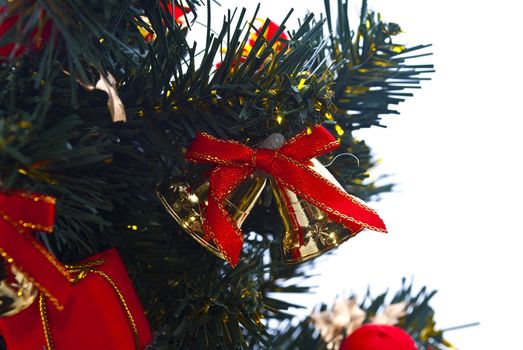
(94, 316)
(378, 337)
(38, 37)
(87, 306)
(289, 166)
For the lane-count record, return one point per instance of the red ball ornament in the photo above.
(378, 337)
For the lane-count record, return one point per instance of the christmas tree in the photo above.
(136, 135)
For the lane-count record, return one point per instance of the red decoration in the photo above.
(270, 32)
(19, 214)
(38, 36)
(92, 304)
(289, 166)
(178, 13)
(374, 337)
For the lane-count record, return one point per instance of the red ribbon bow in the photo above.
(289, 167)
(21, 213)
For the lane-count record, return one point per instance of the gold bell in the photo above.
(308, 232)
(16, 296)
(186, 199)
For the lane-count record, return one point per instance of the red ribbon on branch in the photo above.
(9, 22)
(20, 214)
(289, 166)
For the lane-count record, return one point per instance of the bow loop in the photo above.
(309, 144)
(21, 213)
(208, 149)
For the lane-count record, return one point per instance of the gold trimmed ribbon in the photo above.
(20, 214)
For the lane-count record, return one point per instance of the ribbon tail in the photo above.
(218, 224)
(337, 204)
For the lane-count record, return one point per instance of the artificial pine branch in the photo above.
(56, 137)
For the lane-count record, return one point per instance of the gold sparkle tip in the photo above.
(339, 130)
(301, 84)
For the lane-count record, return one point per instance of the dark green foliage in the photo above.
(373, 69)
(372, 73)
(56, 137)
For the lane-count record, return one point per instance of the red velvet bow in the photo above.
(289, 167)
(21, 213)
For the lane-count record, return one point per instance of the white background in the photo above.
(454, 151)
